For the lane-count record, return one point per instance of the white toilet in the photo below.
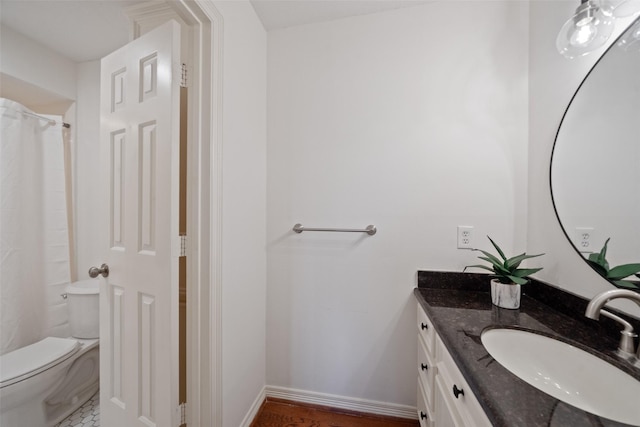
(43, 383)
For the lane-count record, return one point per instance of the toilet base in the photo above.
(81, 382)
(71, 384)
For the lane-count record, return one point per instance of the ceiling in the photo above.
(276, 14)
(84, 30)
(80, 30)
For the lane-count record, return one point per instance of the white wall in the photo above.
(375, 120)
(29, 62)
(552, 82)
(87, 184)
(244, 210)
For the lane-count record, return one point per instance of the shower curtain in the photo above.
(34, 233)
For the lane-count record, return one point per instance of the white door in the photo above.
(139, 140)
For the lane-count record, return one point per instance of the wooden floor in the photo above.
(281, 413)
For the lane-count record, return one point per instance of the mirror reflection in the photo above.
(595, 169)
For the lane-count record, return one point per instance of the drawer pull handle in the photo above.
(424, 326)
(422, 415)
(423, 367)
(457, 391)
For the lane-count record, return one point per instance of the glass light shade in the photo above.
(586, 31)
(620, 8)
(631, 38)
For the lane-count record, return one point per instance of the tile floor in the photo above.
(88, 415)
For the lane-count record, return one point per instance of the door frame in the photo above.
(204, 217)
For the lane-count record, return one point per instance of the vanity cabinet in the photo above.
(444, 397)
(426, 369)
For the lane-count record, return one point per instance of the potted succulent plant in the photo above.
(616, 274)
(506, 276)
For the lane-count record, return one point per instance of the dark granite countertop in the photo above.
(459, 305)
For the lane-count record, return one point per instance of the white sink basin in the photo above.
(567, 373)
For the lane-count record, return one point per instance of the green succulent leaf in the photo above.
(506, 269)
(516, 260)
(518, 280)
(489, 257)
(622, 271)
(501, 270)
(484, 267)
(598, 261)
(489, 260)
(601, 257)
(603, 251)
(524, 272)
(504, 258)
(626, 284)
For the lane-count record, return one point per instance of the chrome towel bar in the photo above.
(370, 230)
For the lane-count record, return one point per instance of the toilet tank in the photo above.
(83, 303)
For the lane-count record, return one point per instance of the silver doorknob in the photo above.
(95, 271)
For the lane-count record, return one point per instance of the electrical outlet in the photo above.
(584, 239)
(465, 237)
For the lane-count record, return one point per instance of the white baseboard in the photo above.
(342, 402)
(255, 407)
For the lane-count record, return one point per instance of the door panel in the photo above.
(139, 134)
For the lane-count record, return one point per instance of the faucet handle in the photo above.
(626, 343)
(626, 347)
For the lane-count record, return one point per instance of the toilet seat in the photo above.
(28, 361)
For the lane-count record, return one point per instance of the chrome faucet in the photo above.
(595, 308)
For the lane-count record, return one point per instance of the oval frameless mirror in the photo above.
(595, 164)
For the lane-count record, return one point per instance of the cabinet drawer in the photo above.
(424, 412)
(426, 371)
(457, 392)
(426, 331)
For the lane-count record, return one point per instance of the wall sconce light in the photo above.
(621, 8)
(592, 25)
(630, 40)
(588, 29)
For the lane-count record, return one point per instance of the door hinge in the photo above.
(183, 77)
(181, 414)
(179, 246)
(183, 245)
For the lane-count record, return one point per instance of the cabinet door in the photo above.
(458, 393)
(445, 414)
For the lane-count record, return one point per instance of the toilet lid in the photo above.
(27, 361)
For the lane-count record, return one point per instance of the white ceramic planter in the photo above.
(505, 295)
